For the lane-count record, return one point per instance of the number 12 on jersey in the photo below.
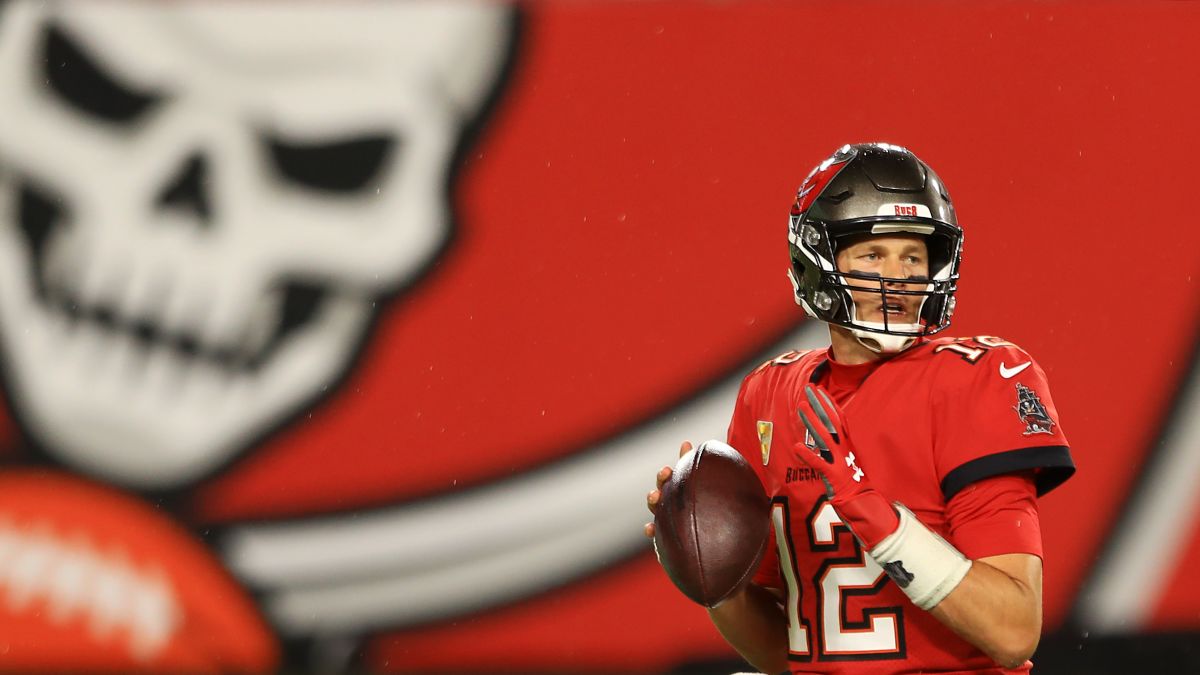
(879, 631)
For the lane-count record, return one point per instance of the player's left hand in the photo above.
(868, 513)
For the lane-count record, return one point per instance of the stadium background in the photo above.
(462, 491)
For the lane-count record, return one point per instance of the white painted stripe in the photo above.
(444, 557)
(1165, 513)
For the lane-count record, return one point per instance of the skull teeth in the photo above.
(267, 330)
(59, 270)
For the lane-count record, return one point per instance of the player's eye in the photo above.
(82, 83)
(341, 166)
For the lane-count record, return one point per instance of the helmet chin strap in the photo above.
(885, 343)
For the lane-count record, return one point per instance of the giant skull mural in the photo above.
(202, 207)
(202, 210)
(204, 204)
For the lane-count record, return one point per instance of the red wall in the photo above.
(623, 243)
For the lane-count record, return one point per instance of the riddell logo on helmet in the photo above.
(906, 209)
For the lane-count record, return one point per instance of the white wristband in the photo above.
(924, 566)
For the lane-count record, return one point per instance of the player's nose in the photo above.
(893, 268)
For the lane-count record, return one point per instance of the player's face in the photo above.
(894, 256)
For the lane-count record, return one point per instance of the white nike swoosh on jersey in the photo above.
(1011, 372)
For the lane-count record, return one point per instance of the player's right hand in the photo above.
(653, 496)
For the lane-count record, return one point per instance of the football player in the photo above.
(907, 467)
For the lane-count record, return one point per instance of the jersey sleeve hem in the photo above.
(1052, 462)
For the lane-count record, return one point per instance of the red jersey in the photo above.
(926, 424)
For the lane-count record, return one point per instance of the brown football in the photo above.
(712, 523)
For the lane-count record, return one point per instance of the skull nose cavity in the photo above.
(39, 213)
(188, 190)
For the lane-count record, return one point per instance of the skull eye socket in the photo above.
(81, 82)
(342, 166)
